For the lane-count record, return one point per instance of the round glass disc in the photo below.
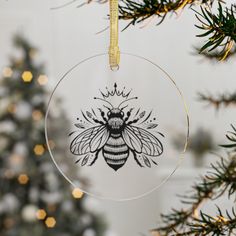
(120, 127)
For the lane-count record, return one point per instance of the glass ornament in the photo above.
(119, 143)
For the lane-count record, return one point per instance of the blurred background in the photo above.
(38, 46)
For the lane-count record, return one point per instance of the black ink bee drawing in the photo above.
(115, 134)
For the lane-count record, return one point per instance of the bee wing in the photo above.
(89, 140)
(88, 159)
(150, 145)
(100, 139)
(132, 140)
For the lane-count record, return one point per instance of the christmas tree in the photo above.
(34, 197)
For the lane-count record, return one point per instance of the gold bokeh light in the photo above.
(77, 193)
(51, 144)
(42, 79)
(23, 179)
(41, 214)
(50, 222)
(27, 76)
(37, 115)
(7, 72)
(11, 108)
(39, 149)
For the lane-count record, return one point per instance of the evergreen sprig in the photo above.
(219, 225)
(191, 220)
(231, 136)
(214, 55)
(138, 11)
(219, 100)
(220, 28)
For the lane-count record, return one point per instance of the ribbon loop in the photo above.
(114, 51)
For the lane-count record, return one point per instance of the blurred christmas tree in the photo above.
(34, 198)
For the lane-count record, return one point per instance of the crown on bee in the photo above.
(123, 97)
(115, 92)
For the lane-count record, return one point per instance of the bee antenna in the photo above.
(103, 101)
(124, 107)
(107, 107)
(127, 100)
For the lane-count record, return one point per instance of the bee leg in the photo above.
(133, 121)
(103, 115)
(136, 158)
(98, 121)
(96, 157)
(128, 114)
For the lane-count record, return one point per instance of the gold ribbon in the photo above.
(114, 51)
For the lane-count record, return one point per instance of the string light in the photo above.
(27, 76)
(32, 53)
(11, 108)
(39, 149)
(155, 233)
(50, 222)
(51, 144)
(23, 179)
(19, 62)
(41, 214)
(42, 79)
(9, 222)
(221, 219)
(16, 159)
(52, 207)
(77, 193)
(8, 174)
(37, 115)
(196, 213)
(7, 72)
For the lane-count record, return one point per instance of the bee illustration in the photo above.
(115, 135)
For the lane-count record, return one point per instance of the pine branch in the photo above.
(231, 136)
(221, 179)
(220, 100)
(219, 225)
(212, 186)
(137, 12)
(220, 28)
(215, 55)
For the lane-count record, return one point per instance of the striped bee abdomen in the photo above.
(115, 152)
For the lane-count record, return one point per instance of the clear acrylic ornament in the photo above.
(119, 144)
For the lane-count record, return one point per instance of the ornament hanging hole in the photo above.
(115, 68)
